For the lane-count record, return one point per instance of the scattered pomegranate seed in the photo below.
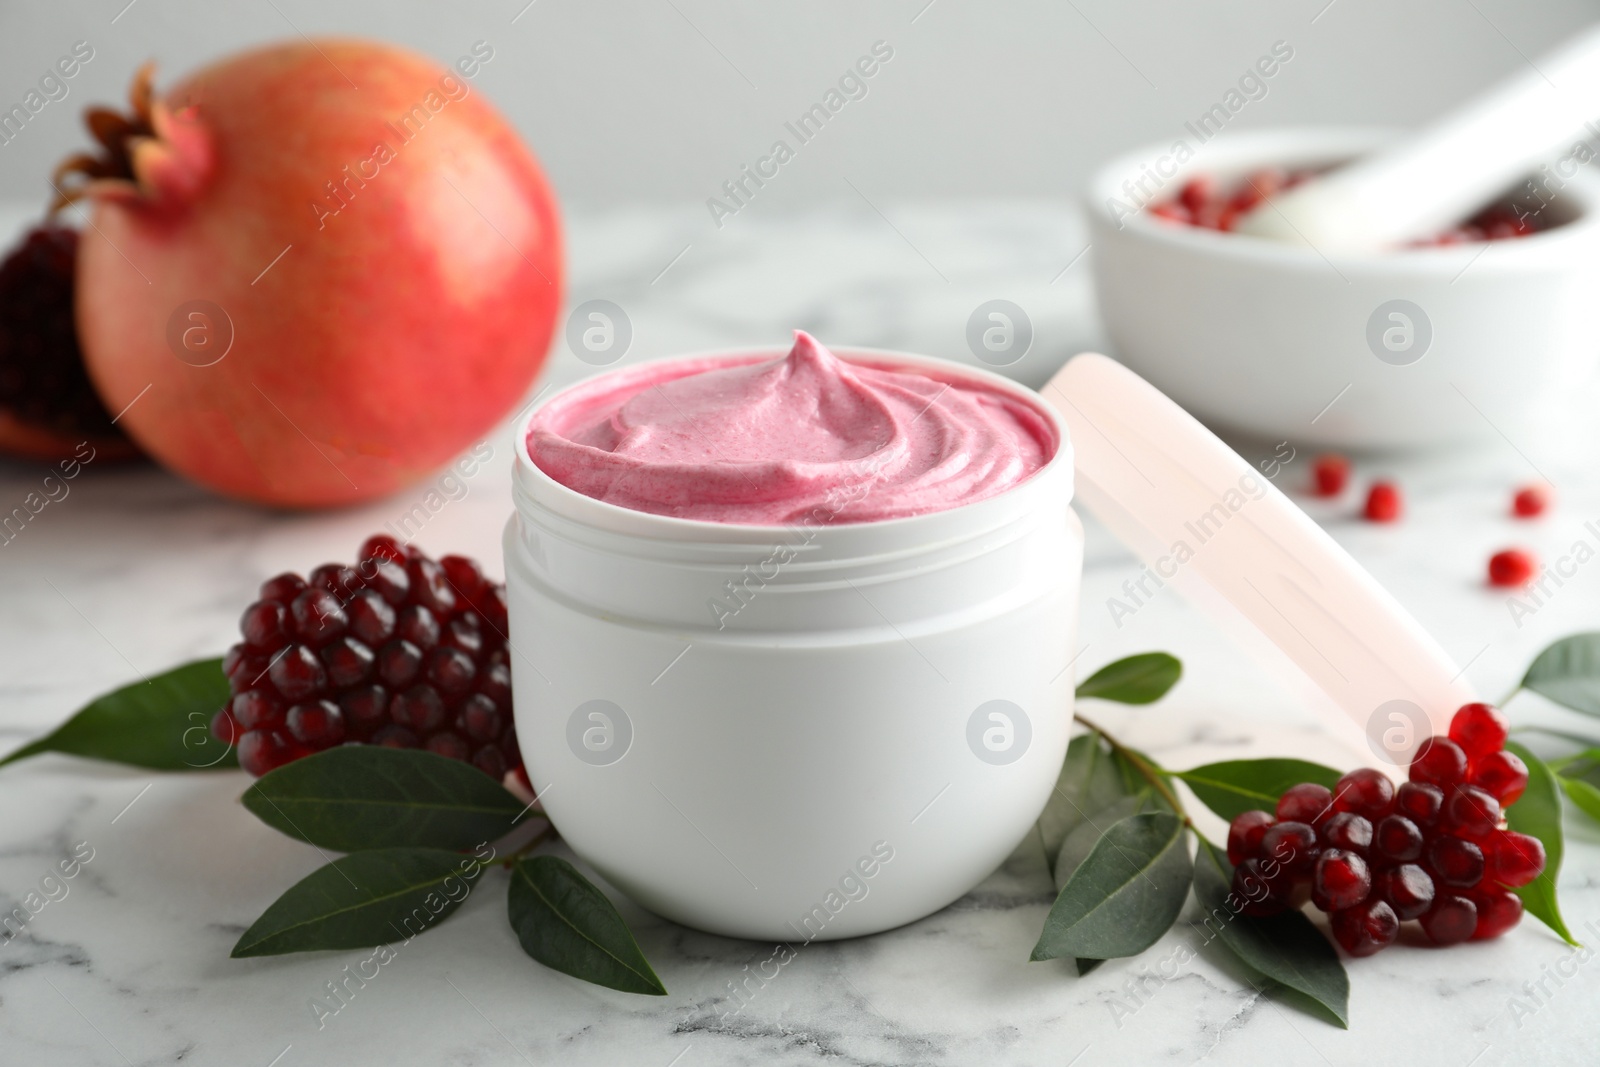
(1383, 502)
(1330, 473)
(1530, 501)
(1512, 568)
(1293, 845)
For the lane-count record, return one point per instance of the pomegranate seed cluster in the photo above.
(1203, 201)
(1372, 856)
(397, 650)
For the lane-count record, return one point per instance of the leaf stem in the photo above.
(1146, 769)
(547, 834)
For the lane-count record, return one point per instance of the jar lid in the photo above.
(1204, 519)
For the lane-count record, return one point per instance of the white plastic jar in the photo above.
(796, 732)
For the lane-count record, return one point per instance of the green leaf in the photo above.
(566, 923)
(163, 723)
(362, 900)
(1085, 965)
(1568, 672)
(1284, 948)
(1237, 786)
(1084, 836)
(1093, 777)
(1538, 814)
(1583, 795)
(1141, 679)
(366, 796)
(1125, 895)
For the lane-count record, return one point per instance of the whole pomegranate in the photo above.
(316, 271)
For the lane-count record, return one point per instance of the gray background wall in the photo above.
(662, 100)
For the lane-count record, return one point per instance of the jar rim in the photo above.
(532, 484)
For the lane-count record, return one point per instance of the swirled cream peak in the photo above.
(808, 437)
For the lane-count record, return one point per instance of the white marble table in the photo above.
(136, 571)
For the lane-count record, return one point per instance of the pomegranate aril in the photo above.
(1472, 813)
(1197, 193)
(349, 662)
(399, 663)
(1479, 729)
(372, 619)
(261, 751)
(317, 724)
(492, 606)
(388, 579)
(255, 709)
(265, 626)
(1366, 792)
(481, 721)
(1347, 831)
(418, 708)
(1512, 568)
(1383, 502)
(464, 633)
(1502, 775)
(1407, 888)
(341, 581)
(224, 728)
(419, 626)
(447, 744)
(1341, 880)
(1456, 861)
(1330, 473)
(490, 761)
(430, 587)
(382, 546)
(1440, 762)
(1396, 839)
(243, 668)
(394, 736)
(1515, 859)
(1530, 501)
(494, 682)
(365, 709)
(1498, 911)
(1419, 802)
(464, 576)
(1292, 846)
(1244, 833)
(283, 589)
(451, 671)
(1451, 920)
(1307, 802)
(297, 673)
(1365, 928)
(318, 616)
